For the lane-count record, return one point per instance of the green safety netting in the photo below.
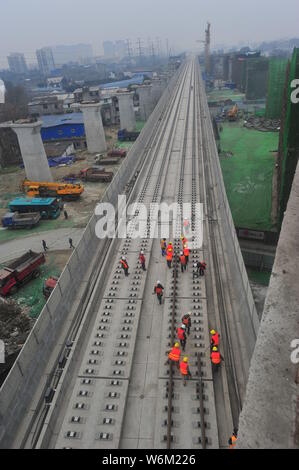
(276, 82)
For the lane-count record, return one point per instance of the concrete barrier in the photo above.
(22, 381)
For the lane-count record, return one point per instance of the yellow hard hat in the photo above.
(185, 359)
(176, 345)
(170, 243)
(212, 332)
(215, 348)
(182, 237)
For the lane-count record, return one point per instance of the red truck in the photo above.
(20, 271)
(117, 153)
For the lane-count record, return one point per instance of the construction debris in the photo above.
(262, 124)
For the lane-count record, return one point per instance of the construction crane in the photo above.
(207, 43)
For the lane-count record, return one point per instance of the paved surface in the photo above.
(270, 415)
(55, 239)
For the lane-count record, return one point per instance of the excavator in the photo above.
(66, 191)
(232, 114)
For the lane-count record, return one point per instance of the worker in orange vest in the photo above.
(169, 254)
(233, 439)
(175, 354)
(185, 371)
(124, 265)
(158, 290)
(216, 359)
(142, 260)
(181, 332)
(214, 338)
(183, 262)
(184, 240)
(186, 224)
(163, 246)
(186, 320)
(186, 252)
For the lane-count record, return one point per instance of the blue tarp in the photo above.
(63, 160)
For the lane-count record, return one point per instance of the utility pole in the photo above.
(129, 49)
(207, 43)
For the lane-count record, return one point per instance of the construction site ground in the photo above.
(18, 317)
(248, 160)
(216, 96)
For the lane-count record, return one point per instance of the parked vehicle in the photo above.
(13, 220)
(49, 208)
(67, 191)
(49, 285)
(96, 173)
(20, 271)
(108, 161)
(124, 135)
(117, 153)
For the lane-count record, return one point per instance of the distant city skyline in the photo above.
(25, 28)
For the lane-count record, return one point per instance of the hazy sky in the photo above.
(30, 24)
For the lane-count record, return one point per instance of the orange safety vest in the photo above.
(215, 357)
(184, 368)
(185, 321)
(183, 259)
(174, 354)
(169, 252)
(158, 290)
(186, 223)
(233, 444)
(123, 263)
(181, 333)
(215, 339)
(186, 250)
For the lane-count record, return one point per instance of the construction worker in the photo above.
(181, 332)
(124, 265)
(65, 214)
(169, 254)
(186, 252)
(158, 290)
(71, 243)
(163, 246)
(216, 359)
(183, 261)
(185, 371)
(44, 245)
(142, 260)
(186, 224)
(186, 320)
(233, 439)
(214, 338)
(184, 241)
(174, 354)
(200, 269)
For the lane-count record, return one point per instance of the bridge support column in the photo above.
(126, 111)
(94, 130)
(145, 101)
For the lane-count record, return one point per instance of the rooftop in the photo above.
(59, 119)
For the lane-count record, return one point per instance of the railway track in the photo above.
(95, 397)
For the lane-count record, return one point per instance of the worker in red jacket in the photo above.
(158, 290)
(124, 265)
(174, 355)
(185, 371)
(183, 261)
(186, 252)
(181, 332)
(169, 254)
(142, 260)
(216, 359)
(186, 320)
(214, 338)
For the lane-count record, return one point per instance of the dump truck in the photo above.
(117, 153)
(96, 173)
(20, 271)
(13, 220)
(124, 135)
(48, 207)
(49, 286)
(68, 192)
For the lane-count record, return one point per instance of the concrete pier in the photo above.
(94, 130)
(145, 101)
(126, 111)
(32, 150)
(270, 414)
(156, 91)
